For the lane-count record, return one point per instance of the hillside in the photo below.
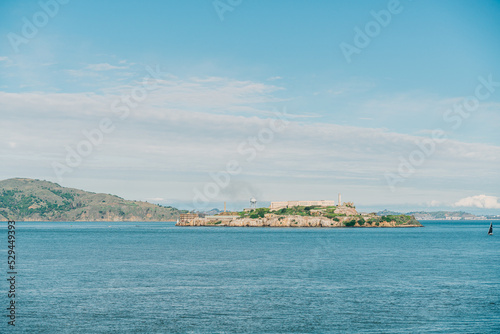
(443, 215)
(440, 215)
(35, 200)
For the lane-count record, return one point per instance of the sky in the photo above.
(394, 104)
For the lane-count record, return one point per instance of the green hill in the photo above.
(35, 200)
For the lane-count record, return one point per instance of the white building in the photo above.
(289, 204)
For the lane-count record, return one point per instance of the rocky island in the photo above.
(344, 215)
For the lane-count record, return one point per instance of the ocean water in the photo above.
(158, 278)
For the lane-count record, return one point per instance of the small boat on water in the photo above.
(490, 231)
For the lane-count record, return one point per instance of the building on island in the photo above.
(289, 204)
(185, 217)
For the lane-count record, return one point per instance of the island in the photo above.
(344, 215)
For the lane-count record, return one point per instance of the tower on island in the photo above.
(253, 203)
(340, 200)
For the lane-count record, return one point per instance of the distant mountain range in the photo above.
(35, 200)
(440, 215)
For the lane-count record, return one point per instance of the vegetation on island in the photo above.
(293, 211)
(349, 217)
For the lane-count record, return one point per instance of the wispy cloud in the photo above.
(104, 67)
(434, 203)
(479, 201)
(155, 199)
(83, 73)
(193, 121)
(352, 86)
(195, 124)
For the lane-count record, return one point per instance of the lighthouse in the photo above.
(340, 200)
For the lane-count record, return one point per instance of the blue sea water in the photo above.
(158, 278)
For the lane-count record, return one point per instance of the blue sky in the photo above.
(349, 124)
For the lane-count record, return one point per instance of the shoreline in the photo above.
(308, 227)
(294, 221)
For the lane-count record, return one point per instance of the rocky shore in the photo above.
(272, 220)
